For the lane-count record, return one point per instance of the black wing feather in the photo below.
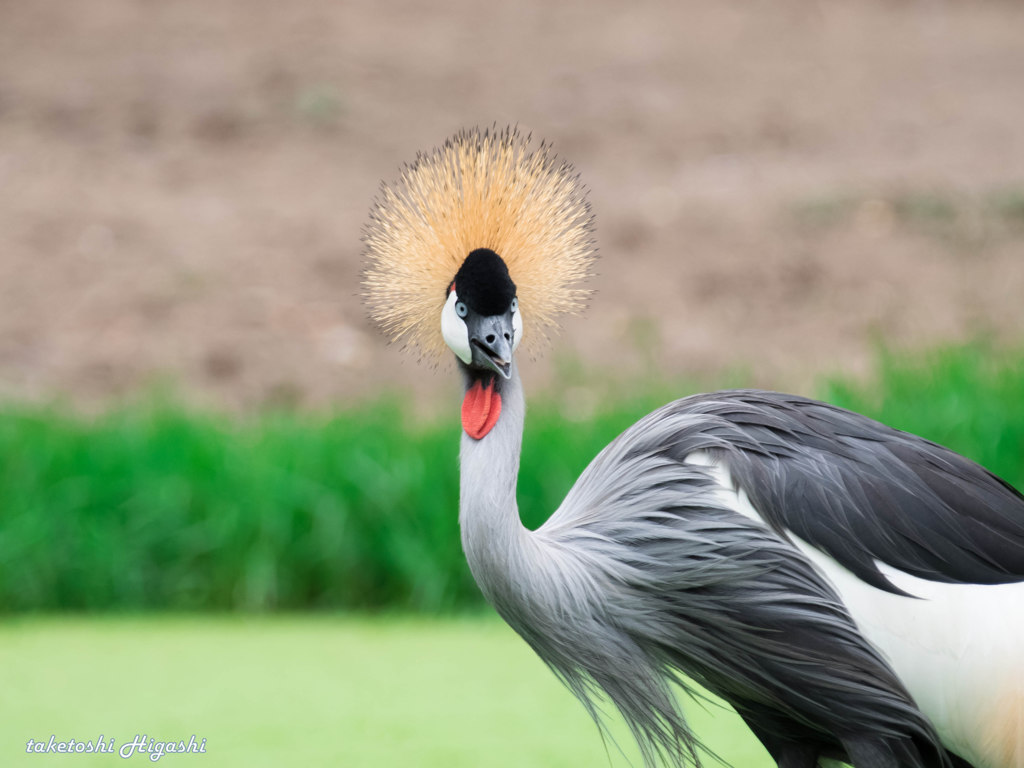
(864, 492)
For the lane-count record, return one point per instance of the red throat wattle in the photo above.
(480, 409)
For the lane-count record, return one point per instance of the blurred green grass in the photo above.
(153, 505)
(967, 397)
(316, 690)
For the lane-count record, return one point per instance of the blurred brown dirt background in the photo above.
(777, 185)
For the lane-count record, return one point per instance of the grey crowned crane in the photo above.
(856, 593)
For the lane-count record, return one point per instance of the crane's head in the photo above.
(477, 244)
(481, 321)
(475, 226)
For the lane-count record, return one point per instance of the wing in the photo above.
(692, 584)
(864, 492)
(823, 484)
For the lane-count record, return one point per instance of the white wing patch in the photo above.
(958, 648)
(726, 493)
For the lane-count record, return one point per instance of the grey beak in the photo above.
(491, 340)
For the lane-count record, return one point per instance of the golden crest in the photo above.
(482, 189)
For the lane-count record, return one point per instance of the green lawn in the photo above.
(305, 691)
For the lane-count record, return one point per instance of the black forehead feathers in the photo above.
(484, 284)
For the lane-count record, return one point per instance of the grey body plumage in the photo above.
(642, 574)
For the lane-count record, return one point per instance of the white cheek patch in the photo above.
(517, 328)
(454, 330)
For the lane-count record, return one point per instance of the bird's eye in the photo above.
(461, 309)
(515, 304)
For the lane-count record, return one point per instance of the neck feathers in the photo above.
(493, 536)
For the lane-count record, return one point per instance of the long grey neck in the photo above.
(530, 580)
(493, 537)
